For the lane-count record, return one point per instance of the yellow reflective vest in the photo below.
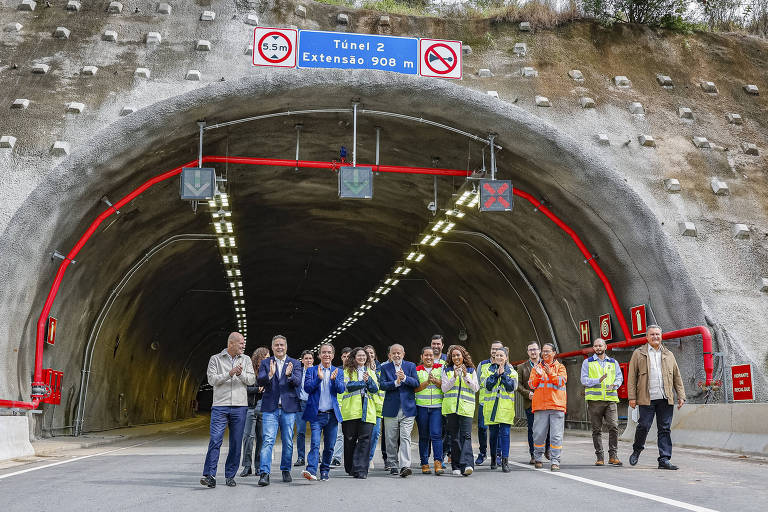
(498, 398)
(430, 395)
(600, 392)
(460, 399)
(359, 404)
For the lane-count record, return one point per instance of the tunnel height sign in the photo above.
(289, 48)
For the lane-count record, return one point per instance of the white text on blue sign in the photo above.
(358, 51)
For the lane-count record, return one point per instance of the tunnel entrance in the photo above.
(308, 259)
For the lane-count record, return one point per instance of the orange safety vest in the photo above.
(549, 389)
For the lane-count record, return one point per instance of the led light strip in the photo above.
(430, 237)
(221, 216)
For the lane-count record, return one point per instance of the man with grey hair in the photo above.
(602, 377)
(399, 379)
(230, 373)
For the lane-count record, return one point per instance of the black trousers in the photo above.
(357, 446)
(460, 430)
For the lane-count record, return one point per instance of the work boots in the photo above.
(425, 469)
(505, 465)
(439, 468)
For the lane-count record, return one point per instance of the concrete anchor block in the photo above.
(734, 118)
(750, 149)
(203, 46)
(636, 108)
(520, 49)
(207, 16)
(586, 102)
(61, 33)
(21, 103)
(109, 35)
(466, 49)
(127, 110)
(249, 49)
(701, 142)
(740, 231)
(576, 75)
(13, 27)
(752, 89)
(40, 69)
(525, 26)
(73, 5)
(684, 113)
(603, 139)
(720, 188)
(342, 19)
(142, 73)
(672, 185)
(646, 140)
(384, 20)
(493, 94)
(686, 228)
(164, 8)
(7, 141)
(89, 70)
(73, 107)
(300, 11)
(154, 37)
(484, 73)
(115, 8)
(528, 72)
(27, 5)
(664, 80)
(542, 101)
(192, 74)
(60, 148)
(252, 19)
(763, 284)
(622, 81)
(709, 87)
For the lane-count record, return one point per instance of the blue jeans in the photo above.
(529, 418)
(221, 417)
(301, 431)
(430, 423)
(482, 431)
(499, 437)
(270, 422)
(663, 412)
(375, 437)
(252, 437)
(327, 425)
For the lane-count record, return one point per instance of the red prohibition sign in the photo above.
(287, 41)
(432, 50)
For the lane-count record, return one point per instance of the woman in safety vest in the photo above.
(459, 384)
(378, 399)
(429, 417)
(499, 403)
(358, 412)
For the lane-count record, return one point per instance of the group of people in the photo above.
(371, 400)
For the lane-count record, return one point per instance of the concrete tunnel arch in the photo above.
(455, 289)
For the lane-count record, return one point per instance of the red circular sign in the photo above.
(272, 60)
(432, 51)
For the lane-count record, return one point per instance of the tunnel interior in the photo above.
(151, 296)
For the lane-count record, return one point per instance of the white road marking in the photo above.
(625, 490)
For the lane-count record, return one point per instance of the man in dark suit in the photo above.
(279, 406)
(322, 384)
(398, 379)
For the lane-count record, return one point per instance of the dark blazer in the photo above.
(312, 386)
(402, 396)
(280, 388)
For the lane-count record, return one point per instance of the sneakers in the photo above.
(231, 482)
(456, 472)
(393, 471)
(614, 461)
(555, 468)
(468, 471)
(324, 476)
(480, 459)
(335, 463)
(599, 462)
(208, 481)
(406, 472)
(634, 457)
(309, 476)
(425, 470)
(299, 462)
(264, 480)
(246, 471)
(665, 464)
(439, 468)
(538, 465)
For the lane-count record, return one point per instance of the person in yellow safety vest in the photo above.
(378, 399)
(437, 348)
(549, 403)
(500, 380)
(338, 449)
(459, 385)
(602, 377)
(358, 412)
(429, 413)
(482, 429)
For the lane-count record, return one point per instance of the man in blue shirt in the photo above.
(322, 383)
(307, 360)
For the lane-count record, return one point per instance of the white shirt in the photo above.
(397, 369)
(280, 363)
(655, 376)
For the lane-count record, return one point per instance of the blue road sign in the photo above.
(358, 51)
(198, 183)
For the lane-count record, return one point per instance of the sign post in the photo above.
(356, 182)
(741, 375)
(584, 334)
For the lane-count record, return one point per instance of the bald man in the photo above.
(399, 380)
(230, 373)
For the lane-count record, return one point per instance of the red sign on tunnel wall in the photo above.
(51, 337)
(605, 327)
(586, 339)
(742, 382)
(637, 317)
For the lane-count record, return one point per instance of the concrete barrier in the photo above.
(738, 428)
(14, 437)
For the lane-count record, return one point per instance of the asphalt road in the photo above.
(162, 472)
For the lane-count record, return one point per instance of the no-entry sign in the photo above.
(741, 375)
(440, 58)
(274, 47)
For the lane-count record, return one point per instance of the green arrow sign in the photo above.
(356, 182)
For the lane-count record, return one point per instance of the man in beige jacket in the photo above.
(653, 375)
(230, 373)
